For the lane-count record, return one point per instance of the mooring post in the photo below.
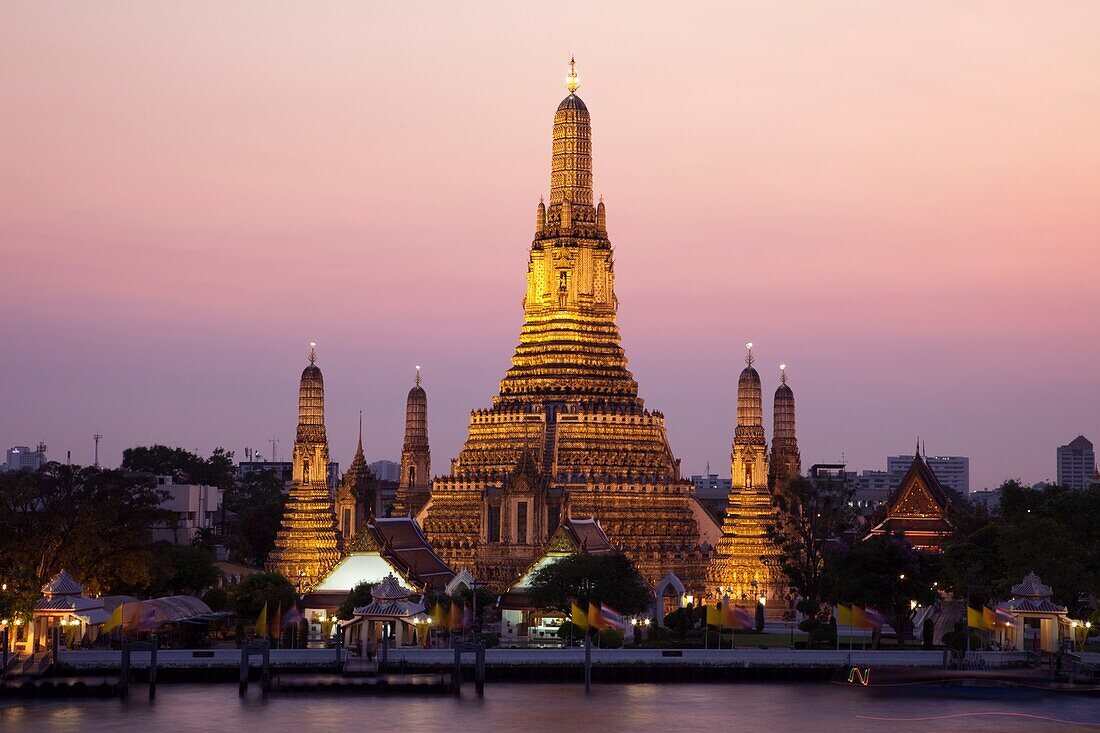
(124, 671)
(153, 670)
(456, 672)
(243, 687)
(265, 680)
(4, 666)
(587, 663)
(340, 651)
(479, 669)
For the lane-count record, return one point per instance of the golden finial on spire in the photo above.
(417, 375)
(749, 358)
(572, 82)
(783, 373)
(312, 352)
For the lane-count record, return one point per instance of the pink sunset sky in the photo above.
(900, 200)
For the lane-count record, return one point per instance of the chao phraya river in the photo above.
(556, 708)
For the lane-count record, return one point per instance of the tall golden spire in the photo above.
(571, 164)
(307, 546)
(572, 82)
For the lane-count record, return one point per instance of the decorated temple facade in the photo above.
(744, 566)
(308, 545)
(358, 498)
(786, 462)
(414, 487)
(567, 433)
(917, 509)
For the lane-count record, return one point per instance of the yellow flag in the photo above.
(437, 614)
(116, 619)
(261, 622)
(975, 619)
(714, 615)
(580, 618)
(844, 616)
(859, 618)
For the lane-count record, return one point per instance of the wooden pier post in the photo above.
(587, 663)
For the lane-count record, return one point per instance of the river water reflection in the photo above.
(556, 708)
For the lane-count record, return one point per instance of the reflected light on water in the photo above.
(554, 708)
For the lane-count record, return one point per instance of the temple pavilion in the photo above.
(1039, 624)
(917, 509)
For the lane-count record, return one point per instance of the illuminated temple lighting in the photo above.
(567, 435)
(307, 546)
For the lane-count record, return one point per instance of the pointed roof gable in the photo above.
(917, 508)
(62, 584)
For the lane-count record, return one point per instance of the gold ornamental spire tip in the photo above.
(312, 352)
(572, 82)
(749, 358)
(417, 375)
(783, 373)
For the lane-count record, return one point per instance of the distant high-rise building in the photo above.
(953, 472)
(1076, 463)
(709, 486)
(22, 458)
(388, 471)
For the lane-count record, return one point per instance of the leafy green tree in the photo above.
(359, 596)
(96, 524)
(584, 579)
(248, 597)
(811, 517)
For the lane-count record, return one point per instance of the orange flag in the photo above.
(595, 619)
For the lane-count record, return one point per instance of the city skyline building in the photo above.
(22, 458)
(953, 472)
(1076, 463)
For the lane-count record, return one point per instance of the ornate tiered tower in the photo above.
(307, 545)
(568, 432)
(786, 463)
(744, 565)
(414, 489)
(358, 500)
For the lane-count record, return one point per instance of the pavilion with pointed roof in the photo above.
(391, 614)
(916, 510)
(1039, 624)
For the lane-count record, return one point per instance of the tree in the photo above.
(359, 596)
(811, 517)
(258, 502)
(182, 465)
(976, 567)
(180, 570)
(96, 524)
(248, 597)
(886, 572)
(583, 579)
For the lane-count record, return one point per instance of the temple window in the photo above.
(494, 523)
(521, 523)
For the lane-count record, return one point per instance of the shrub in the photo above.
(610, 639)
(489, 639)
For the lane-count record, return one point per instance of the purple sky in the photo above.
(899, 200)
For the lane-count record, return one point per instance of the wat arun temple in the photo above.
(567, 437)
